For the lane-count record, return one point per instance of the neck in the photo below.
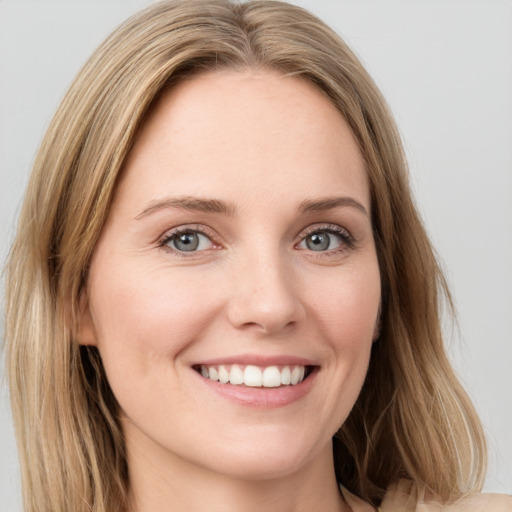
(158, 485)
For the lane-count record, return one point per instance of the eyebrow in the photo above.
(193, 204)
(329, 203)
(217, 206)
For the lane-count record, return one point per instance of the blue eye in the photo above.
(325, 240)
(188, 241)
(318, 241)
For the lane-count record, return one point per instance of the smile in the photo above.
(255, 376)
(259, 382)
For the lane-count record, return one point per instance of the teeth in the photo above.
(271, 377)
(236, 376)
(295, 376)
(286, 376)
(223, 374)
(254, 376)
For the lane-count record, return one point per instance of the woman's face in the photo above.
(238, 248)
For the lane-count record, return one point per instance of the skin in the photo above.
(264, 144)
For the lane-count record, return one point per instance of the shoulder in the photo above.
(406, 497)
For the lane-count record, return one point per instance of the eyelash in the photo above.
(169, 236)
(347, 240)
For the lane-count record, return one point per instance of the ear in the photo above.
(376, 333)
(85, 332)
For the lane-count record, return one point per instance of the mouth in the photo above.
(274, 376)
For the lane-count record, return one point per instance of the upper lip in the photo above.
(258, 360)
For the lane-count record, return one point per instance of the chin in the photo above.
(269, 458)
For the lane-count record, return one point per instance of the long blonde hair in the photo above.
(412, 419)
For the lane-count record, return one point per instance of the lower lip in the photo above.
(266, 398)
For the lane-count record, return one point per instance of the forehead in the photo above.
(237, 133)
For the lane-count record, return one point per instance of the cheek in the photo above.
(144, 322)
(347, 315)
(143, 316)
(347, 305)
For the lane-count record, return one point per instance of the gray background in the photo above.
(445, 67)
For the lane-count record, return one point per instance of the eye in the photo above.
(187, 241)
(326, 239)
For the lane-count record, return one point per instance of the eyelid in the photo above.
(348, 240)
(335, 228)
(188, 228)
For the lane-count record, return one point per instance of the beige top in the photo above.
(405, 497)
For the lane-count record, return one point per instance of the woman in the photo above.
(229, 301)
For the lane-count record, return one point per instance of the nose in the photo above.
(264, 295)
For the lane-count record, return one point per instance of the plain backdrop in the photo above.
(445, 67)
